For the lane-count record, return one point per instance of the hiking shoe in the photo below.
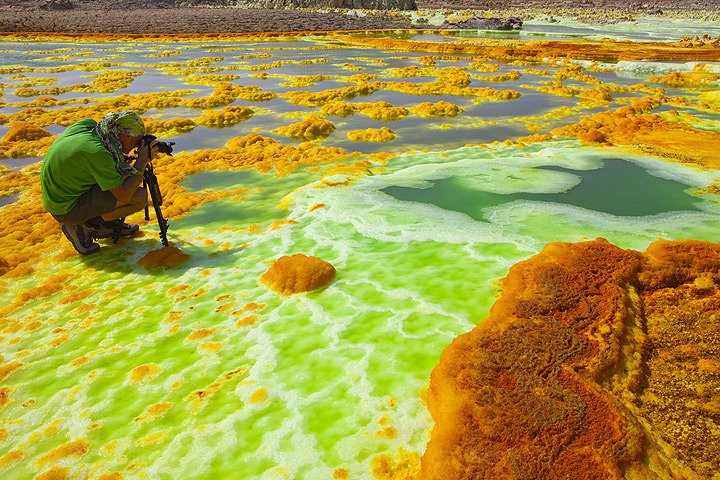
(107, 229)
(81, 238)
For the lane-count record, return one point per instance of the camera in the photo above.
(163, 147)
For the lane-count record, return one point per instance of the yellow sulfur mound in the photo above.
(379, 135)
(338, 109)
(436, 110)
(227, 117)
(24, 140)
(23, 131)
(383, 111)
(316, 99)
(380, 111)
(700, 77)
(311, 128)
(502, 77)
(164, 128)
(298, 273)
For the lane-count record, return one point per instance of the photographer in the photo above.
(87, 182)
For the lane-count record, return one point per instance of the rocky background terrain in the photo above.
(209, 16)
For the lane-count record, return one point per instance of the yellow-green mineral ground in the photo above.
(407, 172)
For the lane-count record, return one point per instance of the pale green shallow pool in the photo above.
(331, 379)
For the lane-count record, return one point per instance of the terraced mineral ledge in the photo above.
(343, 207)
(595, 362)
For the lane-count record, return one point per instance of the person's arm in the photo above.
(124, 193)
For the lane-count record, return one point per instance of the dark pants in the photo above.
(90, 204)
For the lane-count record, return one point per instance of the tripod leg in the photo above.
(118, 229)
(147, 205)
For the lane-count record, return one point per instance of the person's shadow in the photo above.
(124, 256)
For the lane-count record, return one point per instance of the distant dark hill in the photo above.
(352, 4)
(58, 5)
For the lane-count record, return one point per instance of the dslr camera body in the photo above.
(163, 147)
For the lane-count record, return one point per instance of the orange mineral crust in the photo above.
(166, 257)
(298, 273)
(595, 363)
(637, 131)
(537, 50)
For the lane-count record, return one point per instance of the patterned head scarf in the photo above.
(109, 130)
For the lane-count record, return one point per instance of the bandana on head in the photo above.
(109, 130)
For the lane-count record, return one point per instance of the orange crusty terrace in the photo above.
(595, 363)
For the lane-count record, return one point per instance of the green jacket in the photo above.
(76, 161)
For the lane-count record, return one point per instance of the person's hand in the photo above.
(143, 150)
(143, 145)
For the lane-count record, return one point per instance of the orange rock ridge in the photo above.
(595, 362)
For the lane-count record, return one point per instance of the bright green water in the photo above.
(619, 188)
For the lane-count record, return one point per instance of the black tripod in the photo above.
(150, 182)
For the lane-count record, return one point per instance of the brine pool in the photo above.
(200, 371)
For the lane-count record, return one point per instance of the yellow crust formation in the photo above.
(23, 131)
(595, 362)
(298, 273)
(440, 109)
(227, 117)
(312, 128)
(379, 135)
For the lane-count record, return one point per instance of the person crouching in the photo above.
(88, 183)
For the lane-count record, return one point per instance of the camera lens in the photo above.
(165, 147)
